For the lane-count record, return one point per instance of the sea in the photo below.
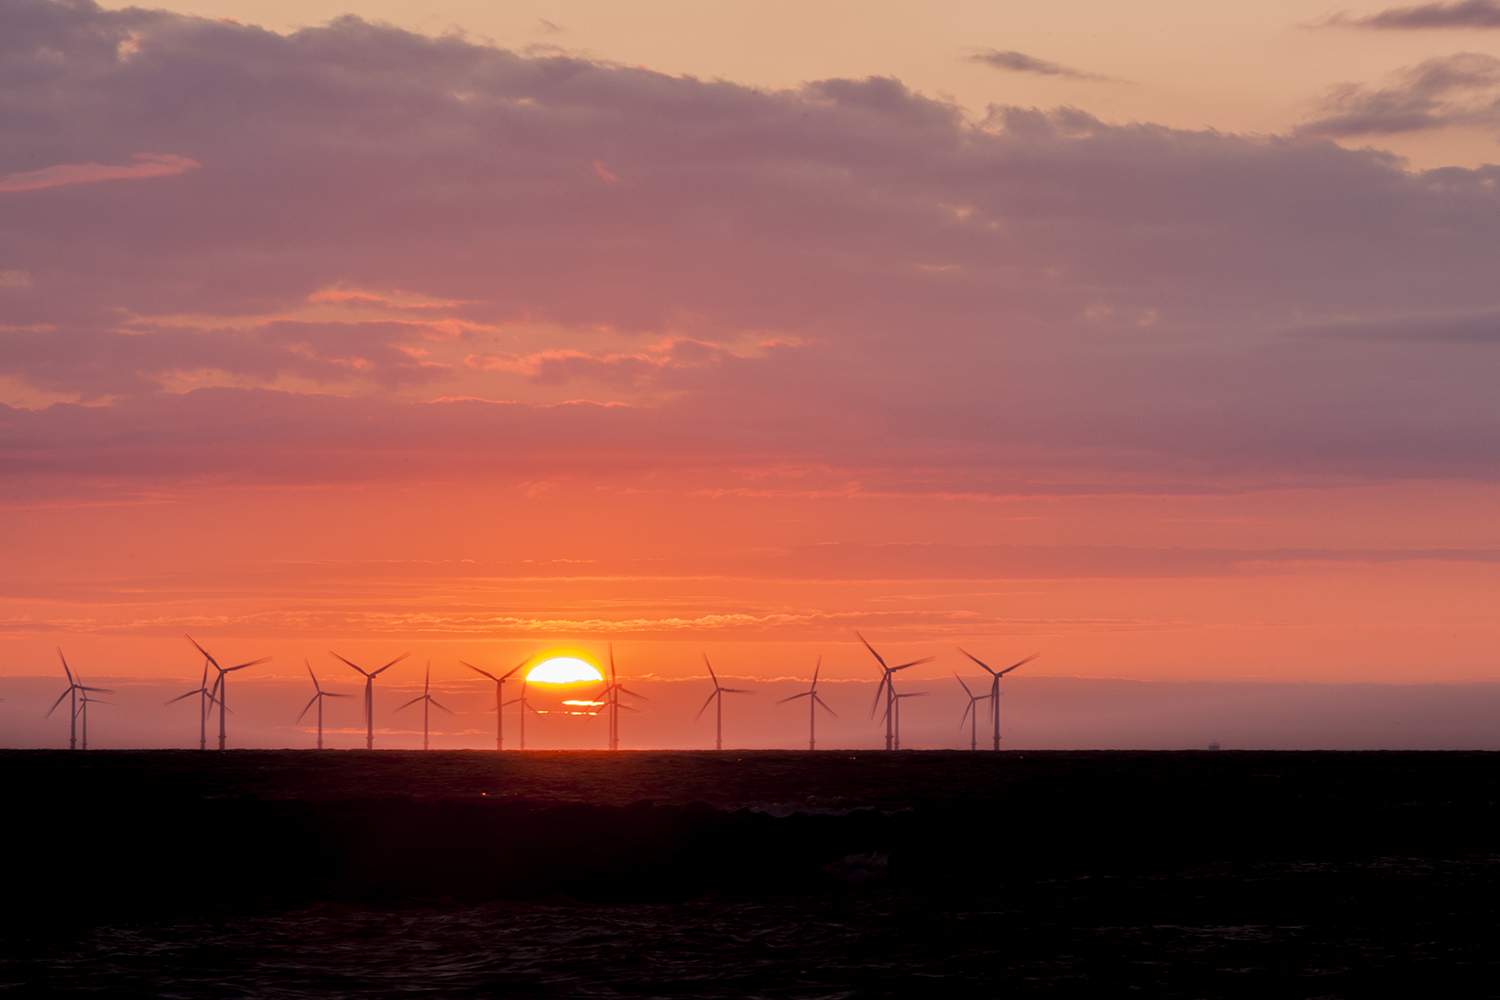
(751, 874)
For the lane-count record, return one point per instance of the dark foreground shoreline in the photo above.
(754, 873)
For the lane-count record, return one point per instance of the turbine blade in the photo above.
(632, 693)
(915, 663)
(442, 706)
(824, 704)
(965, 717)
(485, 672)
(182, 696)
(707, 703)
(412, 702)
(333, 694)
(354, 665)
(64, 659)
(794, 697)
(710, 667)
(59, 701)
(964, 686)
(100, 690)
(735, 691)
(205, 652)
(316, 686)
(872, 651)
(252, 663)
(392, 663)
(816, 668)
(976, 659)
(1020, 664)
(311, 701)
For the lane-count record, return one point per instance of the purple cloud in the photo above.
(845, 276)
(1458, 90)
(1464, 14)
(1020, 62)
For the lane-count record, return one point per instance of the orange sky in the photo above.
(1136, 348)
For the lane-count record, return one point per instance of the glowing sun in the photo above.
(563, 670)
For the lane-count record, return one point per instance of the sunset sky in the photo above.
(1161, 338)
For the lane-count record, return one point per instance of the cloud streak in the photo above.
(1020, 62)
(1457, 90)
(145, 165)
(1481, 14)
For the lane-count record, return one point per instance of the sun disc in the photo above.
(563, 670)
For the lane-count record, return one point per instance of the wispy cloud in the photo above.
(1020, 62)
(1465, 14)
(1458, 90)
(145, 165)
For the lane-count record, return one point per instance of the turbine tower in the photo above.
(995, 676)
(913, 694)
(719, 692)
(812, 707)
(427, 701)
(83, 710)
(612, 690)
(499, 699)
(524, 706)
(221, 683)
(318, 698)
(205, 699)
(370, 676)
(971, 713)
(888, 689)
(72, 695)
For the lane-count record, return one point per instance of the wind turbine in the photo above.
(913, 694)
(613, 689)
(524, 706)
(83, 709)
(427, 701)
(888, 688)
(812, 707)
(370, 676)
(317, 698)
(499, 700)
(972, 709)
(205, 699)
(995, 676)
(719, 692)
(72, 694)
(221, 683)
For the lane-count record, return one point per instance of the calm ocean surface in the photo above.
(1378, 928)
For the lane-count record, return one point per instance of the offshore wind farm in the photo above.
(745, 500)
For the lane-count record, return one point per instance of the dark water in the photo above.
(1367, 875)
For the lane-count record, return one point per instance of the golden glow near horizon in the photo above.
(563, 670)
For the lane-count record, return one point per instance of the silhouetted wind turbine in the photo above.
(205, 699)
(318, 698)
(995, 676)
(971, 713)
(812, 707)
(888, 688)
(370, 676)
(499, 700)
(72, 695)
(719, 692)
(613, 689)
(220, 690)
(913, 694)
(83, 710)
(524, 706)
(427, 701)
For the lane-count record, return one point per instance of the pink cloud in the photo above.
(145, 165)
